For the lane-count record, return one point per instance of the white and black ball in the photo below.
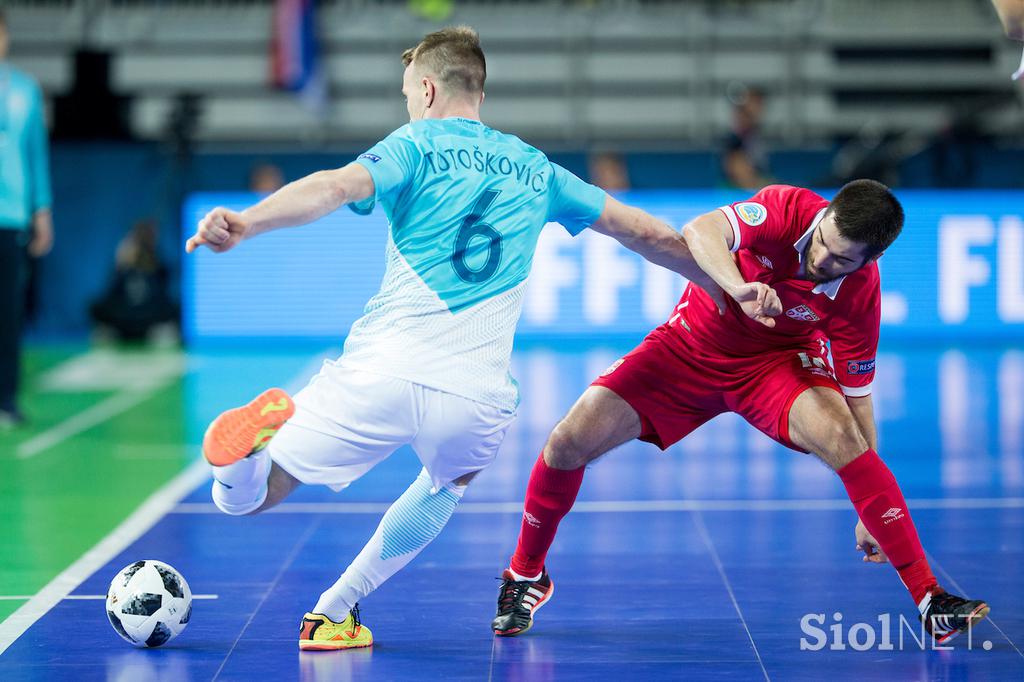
(149, 603)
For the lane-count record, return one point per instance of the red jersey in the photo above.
(770, 232)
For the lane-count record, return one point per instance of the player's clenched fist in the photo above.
(758, 301)
(219, 230)
(867, 543)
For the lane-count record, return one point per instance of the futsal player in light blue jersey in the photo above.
(428, 363)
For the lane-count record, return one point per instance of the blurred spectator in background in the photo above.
(874, 153)
(954, 146)
(265, 178)
(744, 161)
(1011, 13)
(24, 213)
(137, 305)
(608, 171)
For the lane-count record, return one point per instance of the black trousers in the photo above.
(12, 306)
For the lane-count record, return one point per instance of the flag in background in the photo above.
(294, 53)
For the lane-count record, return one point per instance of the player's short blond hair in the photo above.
(453, 56)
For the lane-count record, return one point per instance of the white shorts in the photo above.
(346, 421)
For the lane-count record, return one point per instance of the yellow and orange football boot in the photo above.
(319, 633)
(237, 433)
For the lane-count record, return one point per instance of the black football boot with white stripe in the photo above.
(946, 615)
(517, 602)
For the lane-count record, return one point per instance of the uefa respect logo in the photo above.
(876, 636)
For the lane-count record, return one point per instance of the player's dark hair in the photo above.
(868, 213)
(453, 55)
(3, 18)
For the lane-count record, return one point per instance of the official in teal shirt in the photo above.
(24, 212)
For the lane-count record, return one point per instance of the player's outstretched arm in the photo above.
(709, 238)
(641, 232)
(297, 203)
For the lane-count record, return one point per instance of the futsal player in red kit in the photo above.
(765, 358)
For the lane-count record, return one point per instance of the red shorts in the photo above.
(676, 383)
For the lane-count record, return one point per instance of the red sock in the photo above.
(550, 495)
(880, 504)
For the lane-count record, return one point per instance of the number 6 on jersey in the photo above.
(473, 227)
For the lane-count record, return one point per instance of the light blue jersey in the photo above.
(466, 205)
(24, 162)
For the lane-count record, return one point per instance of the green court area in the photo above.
(106, 429)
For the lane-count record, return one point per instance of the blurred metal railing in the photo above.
(629, 72)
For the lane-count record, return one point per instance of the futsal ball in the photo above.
(149, 603)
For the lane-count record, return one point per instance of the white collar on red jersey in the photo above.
(830, 289)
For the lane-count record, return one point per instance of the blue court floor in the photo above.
(727, 557)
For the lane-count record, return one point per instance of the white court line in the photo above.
(288, 561)
(962, 591)
(490, 669)
(89, 597)
(72, 426)
(130, 530)
(702, 530)
(626, 506)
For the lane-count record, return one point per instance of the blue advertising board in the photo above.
(956, 273)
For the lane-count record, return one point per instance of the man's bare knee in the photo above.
(820, 421)
(280, 484)
(465, 478)
(843, 444)
(565, 448)
(599, 421)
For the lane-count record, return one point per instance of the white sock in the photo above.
(241, 487)
(522, 578)
(408, 526)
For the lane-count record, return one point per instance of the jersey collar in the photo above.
(830, 289)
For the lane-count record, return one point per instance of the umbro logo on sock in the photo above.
(531, 519)
(893, 514)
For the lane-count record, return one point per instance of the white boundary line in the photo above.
(285, 565)
(626, 506)
(88, 418)
(702, 530)
(490, 668)
(130, 530)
